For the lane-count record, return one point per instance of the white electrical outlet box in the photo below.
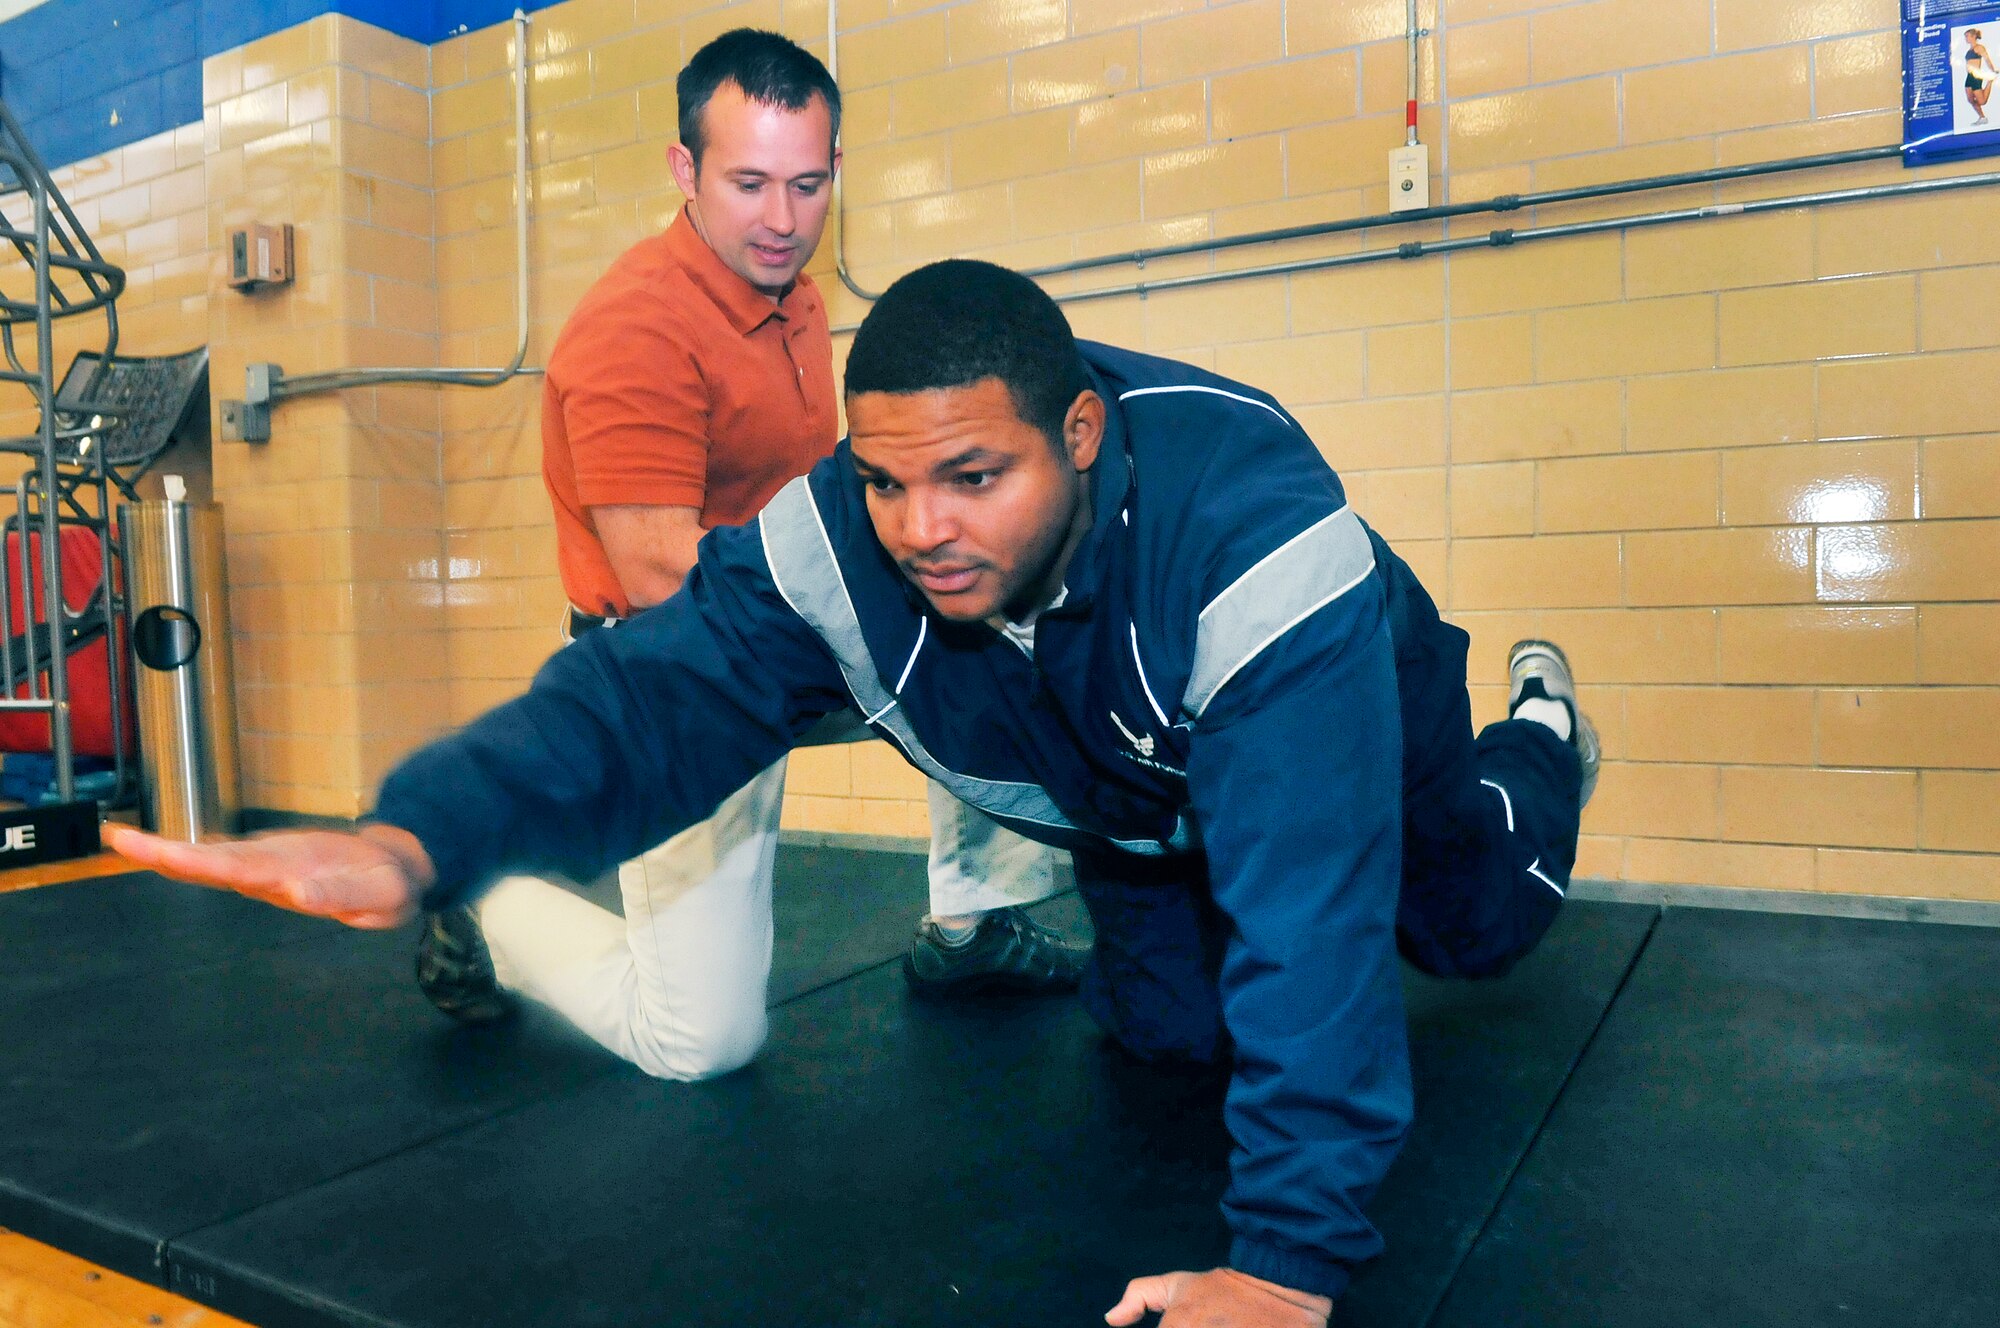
(1410, 178)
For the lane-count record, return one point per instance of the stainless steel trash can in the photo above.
(180, 638)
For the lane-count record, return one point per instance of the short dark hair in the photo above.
(770, 68)
(954, 323)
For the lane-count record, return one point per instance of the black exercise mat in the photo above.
(887, 1162)
(1488, 1061)
(82, 935)
(1787, 1122)
(171, 1056)
(143, 1108)
(838, 911)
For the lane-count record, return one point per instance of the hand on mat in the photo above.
(1219, 1298)
(371, 879)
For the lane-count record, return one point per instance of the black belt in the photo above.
(581, 622)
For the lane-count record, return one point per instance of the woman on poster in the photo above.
(1979, 74)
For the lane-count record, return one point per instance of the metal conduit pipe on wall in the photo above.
(1420, 248)
(267, 384)
(1501, 239)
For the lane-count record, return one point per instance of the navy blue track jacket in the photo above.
(1219, 681)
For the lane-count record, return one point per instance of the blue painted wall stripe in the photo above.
(86, 76)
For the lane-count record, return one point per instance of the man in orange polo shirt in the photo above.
(688, 386)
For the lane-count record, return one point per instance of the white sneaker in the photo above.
(1539, 669)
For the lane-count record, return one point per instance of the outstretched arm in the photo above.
(625, 738)
(369, 878)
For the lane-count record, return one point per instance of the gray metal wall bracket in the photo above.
(249, 420)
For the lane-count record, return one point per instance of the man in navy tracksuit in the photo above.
(1121, 605)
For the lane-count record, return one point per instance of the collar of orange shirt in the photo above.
(747, 307)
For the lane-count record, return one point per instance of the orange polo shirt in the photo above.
(675, 382)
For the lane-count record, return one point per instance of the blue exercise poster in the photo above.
(1951, 67)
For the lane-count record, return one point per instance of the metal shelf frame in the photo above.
(70, 278)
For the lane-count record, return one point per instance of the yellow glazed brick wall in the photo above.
(335, 528)
(1732, 466)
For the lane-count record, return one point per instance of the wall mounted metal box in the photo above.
(260, 256)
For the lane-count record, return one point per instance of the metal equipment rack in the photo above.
(69, 278)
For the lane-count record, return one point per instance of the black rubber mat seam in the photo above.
(166, 1250)
(798, 996)
(425, 1142)
(166, 1246)
(169, 1260)
(1528, 1149)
